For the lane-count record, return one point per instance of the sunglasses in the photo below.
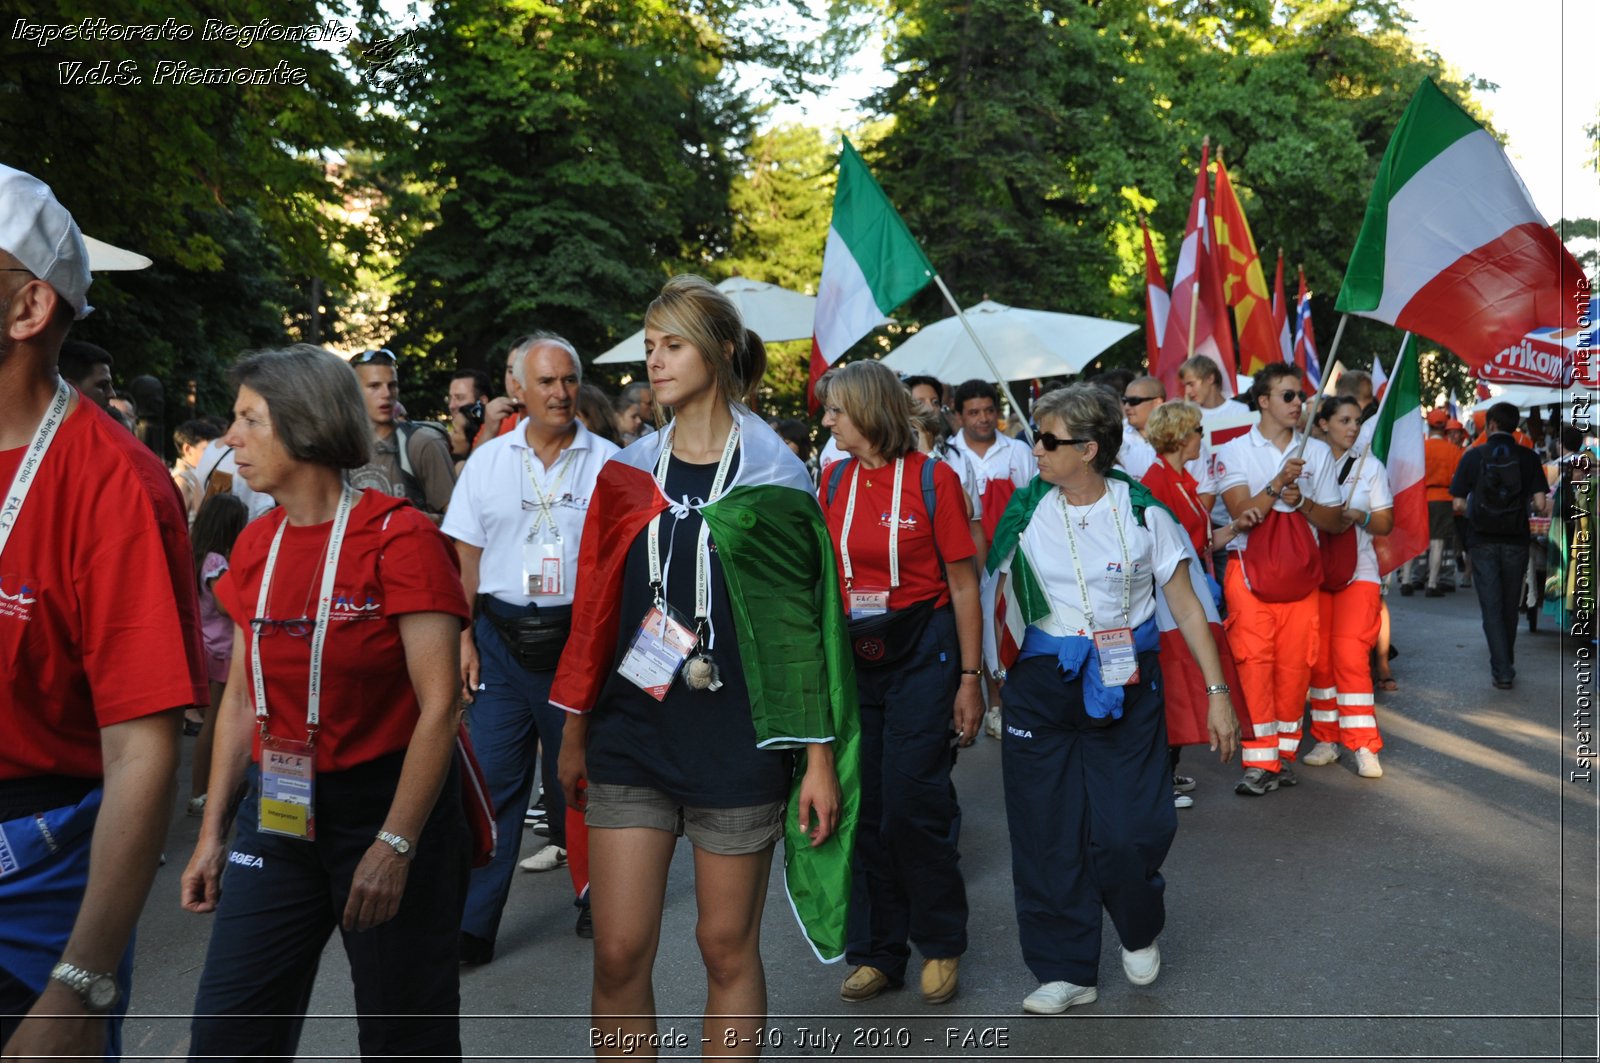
(298, 628)
(1291, 396)
(1135, 400)
(381, 356)
(1053, 443)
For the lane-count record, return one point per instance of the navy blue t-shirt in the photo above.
(697, 746)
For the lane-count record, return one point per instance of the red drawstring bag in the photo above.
(475, 801)
(1281, 561)
(1338, 558)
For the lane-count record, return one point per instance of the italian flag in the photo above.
(1452, 247)
(1397, 442)
(778, 561)
(870, 265)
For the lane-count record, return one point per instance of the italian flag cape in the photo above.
(1397, 441)
(778, 561)
(1014, 597)
(1453, 248)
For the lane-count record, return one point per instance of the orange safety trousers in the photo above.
(1274, 645)
(1341, 679)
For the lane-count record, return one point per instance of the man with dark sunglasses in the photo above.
(409, 459)
(1139, 401)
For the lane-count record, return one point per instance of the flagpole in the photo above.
(1005, 386)
(1382, 402)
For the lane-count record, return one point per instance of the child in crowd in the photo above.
(216, 526)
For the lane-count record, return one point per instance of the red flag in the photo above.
(1280, 315)
(1197, 320)
(1156, 303)
(1244, 285)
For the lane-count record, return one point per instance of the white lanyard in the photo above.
(894, 526)
(1077, 565)
(32, 458)
(702, 582)
(319, 634)
(545, 499)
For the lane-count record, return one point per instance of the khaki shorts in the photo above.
(724, 831)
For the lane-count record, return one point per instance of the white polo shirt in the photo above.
(1251, 461)
(1135, 455)
(494, 506)
(1007, 459)
(1370, 494)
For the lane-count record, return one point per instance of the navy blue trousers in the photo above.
(907, 884)
(509, 720)
(283, 897)
(1090, 814)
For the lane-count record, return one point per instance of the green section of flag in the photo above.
(884, 249)
(1432, 122)
(1402, 398)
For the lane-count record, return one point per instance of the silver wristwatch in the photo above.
(400, 845)
(98, 992)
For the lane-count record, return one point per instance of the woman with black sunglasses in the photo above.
(339, 725)
(1079, 559)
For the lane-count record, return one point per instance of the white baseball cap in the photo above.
(39, 232)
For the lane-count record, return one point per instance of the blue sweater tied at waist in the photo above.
(1072, 651)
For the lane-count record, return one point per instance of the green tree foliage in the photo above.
(225, 186)
(1027, 136)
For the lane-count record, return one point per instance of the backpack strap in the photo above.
(930, 502)
(835, 474)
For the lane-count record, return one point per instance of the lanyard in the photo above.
(1077, 565)
(894, 526)
(32, 458)
(319, 634)
(544, 499)
(702, 582)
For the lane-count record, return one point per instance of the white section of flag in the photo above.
(846, 310)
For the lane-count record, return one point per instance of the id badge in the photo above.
(288, 785)
(658, 651)
(542, 569)
(868, 601)
(1119, 659)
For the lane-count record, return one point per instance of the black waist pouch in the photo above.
(535, 641)
(886, 640)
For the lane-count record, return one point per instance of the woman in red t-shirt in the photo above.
(911, 592)
(1174, 432)
(339, 725)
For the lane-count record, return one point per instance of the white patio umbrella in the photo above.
(1023, 343)
(773, 313)
(107, 258)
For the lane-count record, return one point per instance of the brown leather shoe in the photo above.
(939, 979)
(864, 983)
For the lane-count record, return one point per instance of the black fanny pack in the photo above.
(887, 639)
(535, 641)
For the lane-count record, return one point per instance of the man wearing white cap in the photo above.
(99, 644)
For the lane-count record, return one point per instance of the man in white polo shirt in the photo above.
(1272, 599)
(1004, 464)
(517, 515)
(1139, 401)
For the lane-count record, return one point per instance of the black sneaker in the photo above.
(1256, 782)
(1407, 589)
(1182, 784)
(1287, 777)
(1433, 592)
(475, 951)
(585, 927)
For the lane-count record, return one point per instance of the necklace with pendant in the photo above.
(1083, 518)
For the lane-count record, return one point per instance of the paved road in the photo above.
(1445, 911)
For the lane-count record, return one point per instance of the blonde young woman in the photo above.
(682, 720)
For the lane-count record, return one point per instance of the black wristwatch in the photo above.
(98, 992)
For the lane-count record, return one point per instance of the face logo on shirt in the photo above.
(17, 597)
(360, 606)
(1217, 467)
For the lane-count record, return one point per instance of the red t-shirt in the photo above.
(394, 561)
(1178, 491)
(921, 576)
(98, 619)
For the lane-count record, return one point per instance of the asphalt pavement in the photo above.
(1445, 911)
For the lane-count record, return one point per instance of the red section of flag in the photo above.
(818, 366)
(1157, 304)
(1244, 285)
(1197, 298)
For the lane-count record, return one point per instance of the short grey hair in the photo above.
(634, 392)
(314, 401)
(1088, 412)
(541, 338)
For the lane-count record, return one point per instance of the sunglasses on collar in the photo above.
(381, 356)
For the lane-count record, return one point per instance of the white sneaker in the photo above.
(1321, 753)
(547, 859)
(1142, 965)
(1182, 801)
(1367, 765)
(1052, 998)
(991, 722)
